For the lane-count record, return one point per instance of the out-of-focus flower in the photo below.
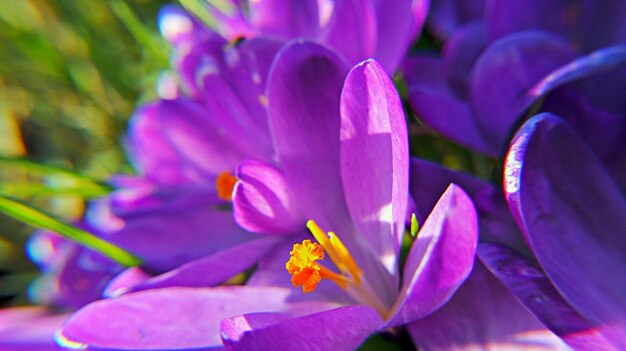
(446, 16)
(71, 277)
(492, 70)
(356, 29)
(174, 214)
(572, 213)
(343, 164)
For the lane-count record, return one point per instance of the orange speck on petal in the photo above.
(225, 183)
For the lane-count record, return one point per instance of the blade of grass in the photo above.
(34, 189)
(199, 9)
(142, 35)
(89, 185)
(41, 220)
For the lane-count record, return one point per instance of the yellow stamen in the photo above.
(306, 271)
(225, 183)
(345, 257)
(337, 251)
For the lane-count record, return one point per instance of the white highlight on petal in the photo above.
(512, 168)
(173, 25)
(385, 214)
(326, 8)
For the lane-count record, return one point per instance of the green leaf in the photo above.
(80, 184)
(39, 219)
(414, 225)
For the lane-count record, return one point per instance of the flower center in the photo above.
(224, 184)
(307, 272)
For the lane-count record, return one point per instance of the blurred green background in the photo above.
(71, 73)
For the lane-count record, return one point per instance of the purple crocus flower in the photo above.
(185, 149)
(469, 320)
(343, 166)
(553, 207)
(572, 212)
(492, 70)
(356, 29)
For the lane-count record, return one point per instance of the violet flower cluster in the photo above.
(281, 157)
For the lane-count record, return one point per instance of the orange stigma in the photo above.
(303, 267)
(306, 271)
(225, 183)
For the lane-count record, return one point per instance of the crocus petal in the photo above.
(459, 55)
(304, 90)
(599, 61)
(261, 201)
(232, 84)
(374, 159)
(285, 19)
(198, 138)
(589, 25)
(587, 94)
(440, 259)
(146, 197)
(47, 249)
(83, 276)
(482, 315)
(351, 30)
(150, 151)
(192, 63)
(72, 276)
(398, 22)
(120, 283)
(447, 15)
(428, 181)
(503, 76)
(167, 319)
(435, 103)
(29, 328)
(175, 234)
(344, 328)
(572, 212)
(535, 291)
(206, 271)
